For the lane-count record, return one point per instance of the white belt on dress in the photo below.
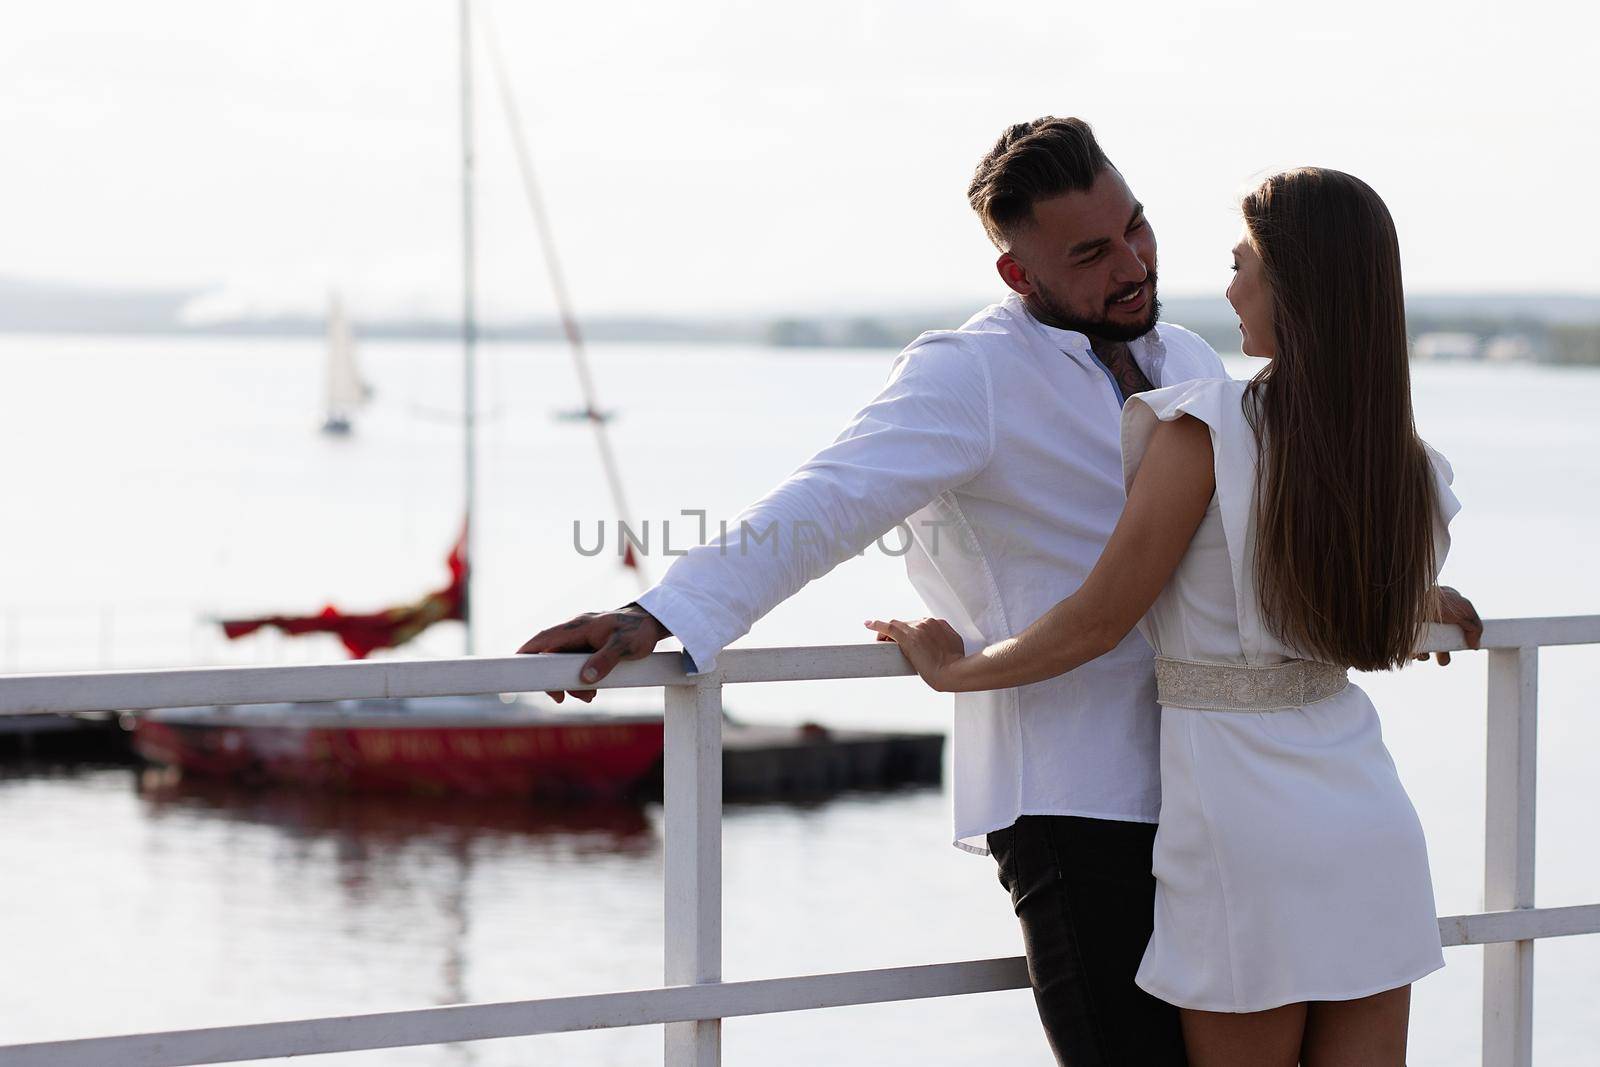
(1236, 687)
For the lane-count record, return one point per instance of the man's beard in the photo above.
(1052, 312)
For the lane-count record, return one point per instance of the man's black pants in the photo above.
(1085, 895)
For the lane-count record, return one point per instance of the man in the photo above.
(998, 443)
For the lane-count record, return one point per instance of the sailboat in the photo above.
(344, 389)
(485, 745)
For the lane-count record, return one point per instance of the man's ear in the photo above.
(1014, 274)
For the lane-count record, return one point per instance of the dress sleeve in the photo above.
(1201, 398)
(1444, 477)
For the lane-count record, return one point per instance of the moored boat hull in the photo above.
(489, 755)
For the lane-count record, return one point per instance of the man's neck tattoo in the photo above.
(1119, 360)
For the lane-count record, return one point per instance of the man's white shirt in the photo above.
(997, 446)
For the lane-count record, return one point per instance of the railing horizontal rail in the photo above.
(195, 686)
(473, 1022)
(645, 1007)
(1519, 633)
(1521, 924)
(22, 694)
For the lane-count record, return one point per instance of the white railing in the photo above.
(694, 999)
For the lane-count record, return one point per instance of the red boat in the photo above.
(474, 746)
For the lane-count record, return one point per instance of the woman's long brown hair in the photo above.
(1345, 494)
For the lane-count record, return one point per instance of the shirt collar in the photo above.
(1069, 341)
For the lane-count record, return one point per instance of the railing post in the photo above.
(692, 794)
(1508, 851)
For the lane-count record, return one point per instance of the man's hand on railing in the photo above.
(1453, 609)
(628, 632)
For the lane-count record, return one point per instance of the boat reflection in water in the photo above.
(387, 820)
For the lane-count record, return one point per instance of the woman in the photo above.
(1277, 532)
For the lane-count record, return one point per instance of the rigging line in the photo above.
(569, 321)
(469, 318)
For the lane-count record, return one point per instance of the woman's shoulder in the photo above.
(1213, 401)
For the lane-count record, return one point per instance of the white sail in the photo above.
(345, 391)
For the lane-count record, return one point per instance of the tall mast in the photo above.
(469, 313)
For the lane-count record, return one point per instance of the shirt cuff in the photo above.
(679, 616)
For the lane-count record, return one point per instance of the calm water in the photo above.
(153, 483)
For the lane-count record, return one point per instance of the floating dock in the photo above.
(63, 737)
(810, 761)
(776, 762)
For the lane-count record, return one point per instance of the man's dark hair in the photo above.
(1032, 161)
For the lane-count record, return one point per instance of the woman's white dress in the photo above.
(1289, 862)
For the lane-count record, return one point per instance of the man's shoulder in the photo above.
(1186, 343)
(987, 332)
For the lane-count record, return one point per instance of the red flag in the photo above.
(364, 634)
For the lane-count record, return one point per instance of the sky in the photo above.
(707, 157)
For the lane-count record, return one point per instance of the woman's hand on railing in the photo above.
(629, 632)
(929, 645)
(1453, 609)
